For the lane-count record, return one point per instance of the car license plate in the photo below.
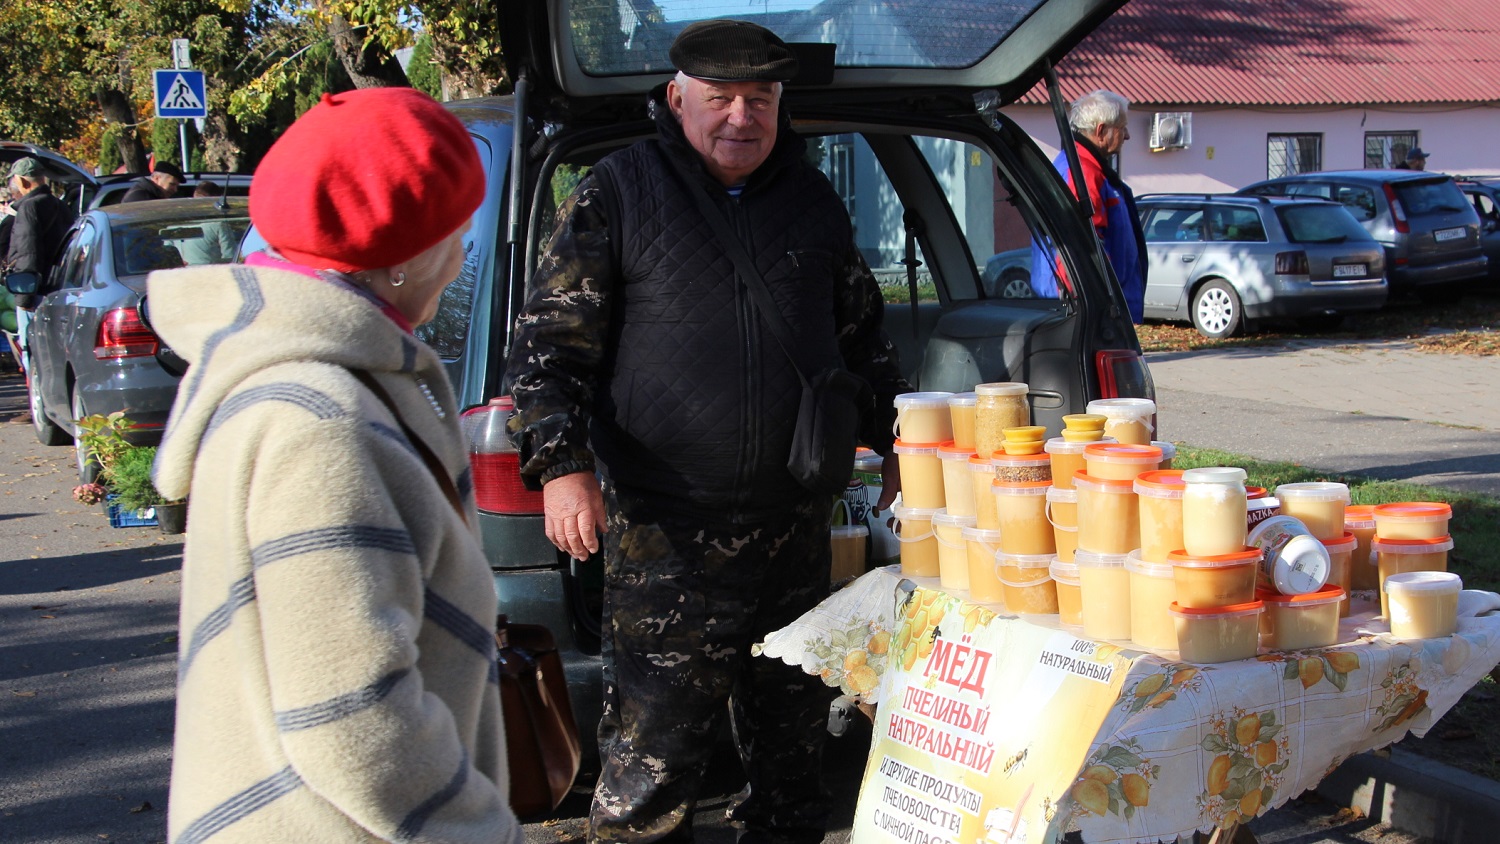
(1350, 270)
(1442, 235)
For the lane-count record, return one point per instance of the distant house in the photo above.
(1243, 90)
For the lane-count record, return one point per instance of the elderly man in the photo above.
(642, 356)
(163, 182)
(36, 237)
(1098, 121)
(1416, 159)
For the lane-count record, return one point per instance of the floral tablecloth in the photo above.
(997, 728)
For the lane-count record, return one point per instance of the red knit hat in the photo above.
(366, 179)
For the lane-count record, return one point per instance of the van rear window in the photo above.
(1431, 197)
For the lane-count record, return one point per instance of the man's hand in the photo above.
(573, 513)
(890, 481)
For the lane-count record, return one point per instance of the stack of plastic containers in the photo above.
(1108, 530)
(1153, 587)
(1216, 616)
(1410, 536)
(1359, 521)
(924, 429)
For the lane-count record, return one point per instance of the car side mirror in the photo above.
(23, 284)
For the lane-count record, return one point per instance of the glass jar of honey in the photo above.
(998, 406)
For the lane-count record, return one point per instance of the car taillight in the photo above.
(1398, 211)
(496, 463)
(1123, 373)
(123, 335)
(1291, 263)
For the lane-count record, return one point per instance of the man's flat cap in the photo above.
(169, 168)
(732, 51)
(27, 167)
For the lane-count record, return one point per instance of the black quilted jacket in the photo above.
(637, 333)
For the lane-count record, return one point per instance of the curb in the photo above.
(1417, 795)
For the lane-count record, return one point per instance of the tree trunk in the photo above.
(117, 108)
(220, 152)
(370, 66)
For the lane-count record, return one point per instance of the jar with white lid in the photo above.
(1213, 511)
(998, 406)
(1127, 420)
(984, 576)
(1424, 604)
(1317, 504)
(1104, 584)
(953, 553)
(919, 548)
(1069, 596)
(961, 410)
(958, 487)
(921, 474)
(923, 417)
(1153, 590)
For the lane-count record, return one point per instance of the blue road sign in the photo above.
(180, 93)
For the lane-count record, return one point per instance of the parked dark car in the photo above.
(1484, 194)
(1429, 230)
(91, 351)
(1223, 261)
(113, 188)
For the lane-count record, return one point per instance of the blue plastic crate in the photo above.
(120, 518)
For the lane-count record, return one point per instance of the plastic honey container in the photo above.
(1168, 453)
(1318, 505)
(848, 543)
(1340, 565)
(1022, 508)
(984, 576)
(1213, 511)
(998, 406)
(1062, 512)
(1398, 556)
(1206, 635)
(1293, 561)
(1022, 467)
(1120, 461)
(921, 474)
(1104, 586)
(1160, 501)
(1069, 598)
(1067, 458)
(919, 547)
(1109, 520)
(1127, 420)
(981, 477)
(1359, 519)
(1027, 581)
(958, 487)
(952, 552)
(923, 417)
(1295, 622)
(1424, 604)
(1153, 590)
(961, 414)
(1412, 520)
(1218, 580)
(1258, 508)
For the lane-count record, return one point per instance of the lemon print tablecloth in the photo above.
(995, 728)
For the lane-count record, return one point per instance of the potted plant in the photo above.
(125, 470)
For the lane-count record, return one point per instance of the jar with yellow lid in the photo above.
(998, 406)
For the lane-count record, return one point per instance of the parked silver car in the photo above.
(91, 351)
(1223, 261)
(1483, 193)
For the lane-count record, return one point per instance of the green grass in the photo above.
(1476, 518)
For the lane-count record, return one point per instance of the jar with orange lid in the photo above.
(1109, 519)
(958, 487)
(998, 406)
(1317, 504)
(1062, 512)
(1127, 420)
(1216, 580)
(953, 554)
(1022, 508)
(1208, 635)
(984, 577)
(1022, 468)
(1160, 494)
(1213, 510)
(981, 477)
(1027, 581)
(1153, 589)
(1120, 461)
(1298, 622)
(1341, 565)
(961, 413)
(1398, 556)
(1168, 453)
(1359, 519)
(1104, 584)
(1412, 520)
(921, 474)
(923, 418)
(919, 548)
(1069, 596)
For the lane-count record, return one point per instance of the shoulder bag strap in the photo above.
(434, 465)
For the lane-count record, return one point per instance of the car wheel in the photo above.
(88, 467)
(1217, 312)
(1321, 322)
(47, 432)
(1016, 284)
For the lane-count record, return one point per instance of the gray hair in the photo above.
(1098, 108)
(682, 81)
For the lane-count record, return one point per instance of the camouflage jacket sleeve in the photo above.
(866, 349)
(559, 341)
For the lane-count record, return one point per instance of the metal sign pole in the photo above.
(182, 137)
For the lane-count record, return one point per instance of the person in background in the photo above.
(7, 221)
(219, 241)
(337, 675)
(1100, 129)
(1416, 159)
(36, 237)
(163, 183)
(638, 355)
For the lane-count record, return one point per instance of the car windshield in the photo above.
(613, 39)
(144, 246)
(1319, 224)
(1431, 197)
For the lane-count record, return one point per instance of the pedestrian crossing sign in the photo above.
(180, 93)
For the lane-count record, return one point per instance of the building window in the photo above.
(1384, 150)
(1288, 155)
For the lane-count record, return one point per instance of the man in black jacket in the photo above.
(36, 237)
(163, 182)
(640, 356)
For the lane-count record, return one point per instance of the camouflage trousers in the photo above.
(683, 602)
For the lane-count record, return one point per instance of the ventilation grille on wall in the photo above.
(1171, 130)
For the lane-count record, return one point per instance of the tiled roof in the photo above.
(1290, 53)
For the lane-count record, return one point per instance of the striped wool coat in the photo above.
(336, 675)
